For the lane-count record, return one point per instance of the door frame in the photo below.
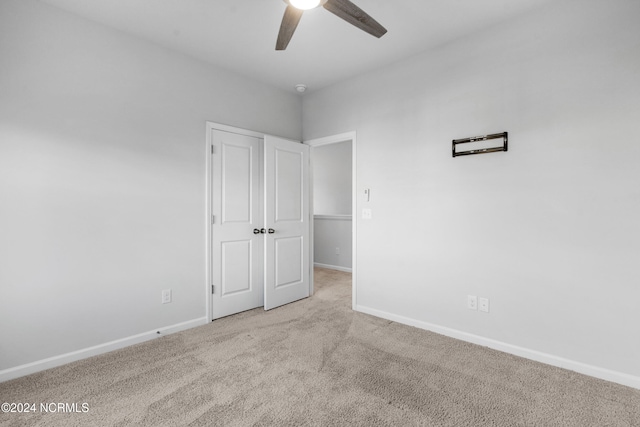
(334, 139)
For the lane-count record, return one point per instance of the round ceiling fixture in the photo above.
(301, 87)
(305, 4)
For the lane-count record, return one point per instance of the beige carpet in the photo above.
(315, 362)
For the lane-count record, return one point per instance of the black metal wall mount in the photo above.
(504, 147)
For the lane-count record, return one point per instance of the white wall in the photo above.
(332, 174)
(548, 231)
(102, 179)
(332, 241)
(332, 179)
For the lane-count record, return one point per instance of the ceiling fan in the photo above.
(342, 8)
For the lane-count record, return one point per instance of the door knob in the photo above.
(271, 231)
(256, 231)
(262, 230)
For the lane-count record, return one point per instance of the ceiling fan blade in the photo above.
(355, 16)
(288, 27)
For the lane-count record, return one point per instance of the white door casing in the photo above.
(237, 208)
(287, 217)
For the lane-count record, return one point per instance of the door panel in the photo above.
(236, 268)
(236, 183)
(237, 205)
(287, 267)
(289, 262)
(288, 182)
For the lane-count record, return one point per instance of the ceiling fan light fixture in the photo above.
(343, 9)
(305, 4)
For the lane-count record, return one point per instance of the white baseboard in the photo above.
(332, 267)
(63, 359)
(549, 359)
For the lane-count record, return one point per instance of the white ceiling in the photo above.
(240, 35)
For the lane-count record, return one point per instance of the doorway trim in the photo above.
(208, 219)
(334, 139)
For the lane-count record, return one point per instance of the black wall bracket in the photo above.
(483, 149)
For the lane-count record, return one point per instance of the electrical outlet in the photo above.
(483, 304)
(166, 296)
(366, 214)
(337, 251)
(472, 302)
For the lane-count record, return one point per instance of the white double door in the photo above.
(261, 226)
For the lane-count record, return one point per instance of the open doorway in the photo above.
(333, 194)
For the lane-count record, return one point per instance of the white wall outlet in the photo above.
(472, 302)
(483, 304)
(166, 296)
(337, 251)
(366, 214)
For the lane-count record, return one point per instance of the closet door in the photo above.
(287, 249)
(237, 246)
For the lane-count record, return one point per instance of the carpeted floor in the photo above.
(316, 362)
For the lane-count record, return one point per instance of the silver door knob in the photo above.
(262, 230)
(256, 231)
(271, 231)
